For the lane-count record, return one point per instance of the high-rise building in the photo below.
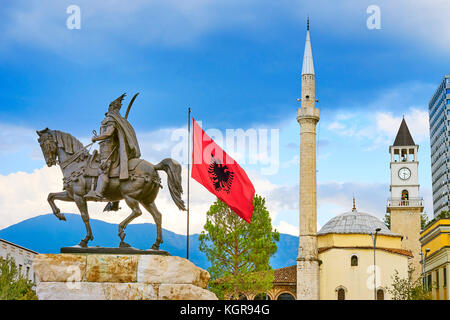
(439, 115)
(308, 116)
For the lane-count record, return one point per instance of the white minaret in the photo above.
(307, 117)
(405, 205)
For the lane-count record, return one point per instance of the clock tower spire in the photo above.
(405, 205)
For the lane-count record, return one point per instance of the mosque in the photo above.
(354, 255)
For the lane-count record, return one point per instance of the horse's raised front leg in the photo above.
(82, 206)
(136, 212)
(63, 196)
(157, 217)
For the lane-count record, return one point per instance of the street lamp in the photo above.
(423, 268)
(374, 239)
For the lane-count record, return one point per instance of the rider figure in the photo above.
(118, 144)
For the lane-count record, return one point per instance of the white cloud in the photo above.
(109, 25)
(380, 128)
(416, 119)
(418, 21)
(24, 195)
(284, 227)
(378, 122)
(13, 138)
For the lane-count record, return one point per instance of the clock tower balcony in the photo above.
(404, 203)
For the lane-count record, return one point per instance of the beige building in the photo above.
(346, 259)
(22, 256)
(347, 256)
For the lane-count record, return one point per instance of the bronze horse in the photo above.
(78, 168)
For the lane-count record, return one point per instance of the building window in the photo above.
(354, 261)
(405, 195)
(429, 282)
(380, 294)
(445, 278)
(341, 294)
(285, 296)
(261, 296)
(437, 279)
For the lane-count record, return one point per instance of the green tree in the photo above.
(387, 220)
(13, 286)
(239, 252)
(423, 220)
(407, 289)
(444, 214)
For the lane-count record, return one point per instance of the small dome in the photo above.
(355, 222)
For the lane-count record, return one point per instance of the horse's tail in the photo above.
(173, 170)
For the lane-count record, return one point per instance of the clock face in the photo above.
(404, 173)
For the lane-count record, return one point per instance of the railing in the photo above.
(399, 202)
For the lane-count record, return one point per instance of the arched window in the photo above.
(380, 294)
(285, 296)
(341, 294)
(354, 261)
(405, 195)
(262, 296)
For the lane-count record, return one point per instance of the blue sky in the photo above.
(237, 65)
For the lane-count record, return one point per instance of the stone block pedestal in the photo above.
(119, 277)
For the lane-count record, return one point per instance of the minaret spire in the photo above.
(308, 64)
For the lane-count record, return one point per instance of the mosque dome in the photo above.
(357, 223)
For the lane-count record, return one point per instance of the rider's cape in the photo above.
(128, 144)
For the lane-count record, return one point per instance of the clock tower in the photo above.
(405, 205)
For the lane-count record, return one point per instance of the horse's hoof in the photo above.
(155, 247)
(83, 243)
(124, 245)
(60, 216)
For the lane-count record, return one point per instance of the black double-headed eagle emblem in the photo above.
(220, 175)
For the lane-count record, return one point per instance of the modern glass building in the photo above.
(439, 115)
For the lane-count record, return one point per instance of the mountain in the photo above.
(46, 234)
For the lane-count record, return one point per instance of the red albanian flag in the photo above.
(220, 174)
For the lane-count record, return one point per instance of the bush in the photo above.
(13, 286)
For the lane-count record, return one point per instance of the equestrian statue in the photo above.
(113, 173)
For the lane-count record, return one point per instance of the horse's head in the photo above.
(48, 146)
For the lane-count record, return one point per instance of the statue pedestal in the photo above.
(119, 277)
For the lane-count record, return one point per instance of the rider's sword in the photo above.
(129, 106)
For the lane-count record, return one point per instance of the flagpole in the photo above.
(188, 178)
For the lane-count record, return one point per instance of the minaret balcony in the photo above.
(308, 112)
(402, 203)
